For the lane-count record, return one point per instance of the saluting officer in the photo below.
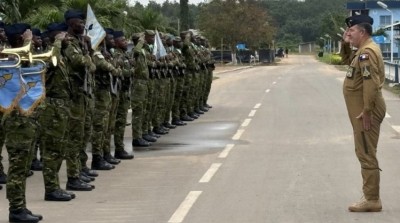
(365, 105)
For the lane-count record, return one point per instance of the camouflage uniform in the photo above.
(180, 84)
(54, 121)
(189, 91)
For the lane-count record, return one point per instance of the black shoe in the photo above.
(22, 215)
(169, 125)
(164, 129)
(208, 106)
(87, 176)
(149, 138)
(187, 118)
(178, 122)
(89, 172)
(110, 159)
(35, 215)
(140, 143)
(84, 178)
(159, 130)
(204, 109)
(29, 173)
(57, 195)
(1, 187)
(36, 165)
(78, 185)
(193, 115)
(3, 178)
(98, 163)
(70, 193)
(122, 155)
(152, 134)
(198, 111)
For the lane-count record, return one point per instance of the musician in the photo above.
(21, 133)
(3, 176)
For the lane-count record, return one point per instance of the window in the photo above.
(385, 47)
(385, 20)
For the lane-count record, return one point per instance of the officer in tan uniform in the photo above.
(365, 105)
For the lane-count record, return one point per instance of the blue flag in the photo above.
(10, 85)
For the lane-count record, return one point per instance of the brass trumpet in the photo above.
(24, 51)
(48, 56)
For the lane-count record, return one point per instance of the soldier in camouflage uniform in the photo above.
(125, 62)
(54, 118)
(21, 133)
(209, 76)
(140, 92)
(106, 72)
(3, 176)
(80, 66)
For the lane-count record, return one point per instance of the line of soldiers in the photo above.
(88, 95)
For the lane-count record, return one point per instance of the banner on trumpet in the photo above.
(11, 85)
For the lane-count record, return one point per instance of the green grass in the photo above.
(333, 59)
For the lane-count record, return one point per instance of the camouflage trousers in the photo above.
(20, 138)
(179, 85)
(120, 120)
(53, 139)
(101, 117)
(208, 83)
(76, 129)
(2, 138)
(151, 104)
(111, 125)
(161, 94)
(186, 94)
(88, 131)
(195, 91)
(169, 101)
(140, 93)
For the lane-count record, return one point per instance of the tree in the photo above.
(235, 21)
(184, 16)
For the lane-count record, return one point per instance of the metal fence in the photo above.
(392, 72)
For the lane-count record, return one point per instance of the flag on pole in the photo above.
(93, 28)
(159, 49)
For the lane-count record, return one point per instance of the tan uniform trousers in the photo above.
(366, 142)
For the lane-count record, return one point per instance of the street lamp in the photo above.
(384, 6)
(329, 42)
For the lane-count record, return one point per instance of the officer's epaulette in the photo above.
(364, 56)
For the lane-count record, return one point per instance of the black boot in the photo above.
(57, 195)
(122, 155)
(84, 178)
(36, 165)
(204, 109)
(169, 125)
(110, 159)
(207, 106)
(3, 178)
(149, 138)
(198, 111)
(140, 143)
(29, 173)
(178, 122)
(89, 172)
(187, 118)
(21, 215)
(98, 163)
(78, 185)
(193, 115)
(152, 134)
(83, 174)
(34, 215)
(1, 187)
(159, 130)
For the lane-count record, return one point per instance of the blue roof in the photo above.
(371, 5)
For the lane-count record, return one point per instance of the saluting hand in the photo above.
(366, 119)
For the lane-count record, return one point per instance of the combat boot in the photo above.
(365, 205)
(83, 174)
(187, 118)
(3, 178)
(122, 155)
(98, 163)
(169, 125)
(149, 138)
(152, 134)
(36, 165)
(57, 195)
(204, 109)
(159, 130)
(34, 215)
(207, 106)
(89, 172)
(198, 111)
(84, 178)
(110, 159)
(140, 143)
(193, 115)
(178, 122)
(22, 215)
(78, 185)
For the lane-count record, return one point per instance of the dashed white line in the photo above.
(226, 151)
(185, 207)
(210, 173)
(257, 105)
(238, 134)
(274, 82)
(387, 115)
(268, 90)
(252, 113)
(246, 122)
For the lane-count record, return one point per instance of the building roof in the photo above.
(371, 5)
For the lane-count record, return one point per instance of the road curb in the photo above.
(235, 69)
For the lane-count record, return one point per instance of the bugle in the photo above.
(24, 51)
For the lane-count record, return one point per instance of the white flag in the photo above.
(93, 28)
(159, 49)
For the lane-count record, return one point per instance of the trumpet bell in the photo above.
(24, 51)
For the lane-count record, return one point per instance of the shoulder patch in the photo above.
(366, 72)
(364, 56)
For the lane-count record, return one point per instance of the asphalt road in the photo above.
(276, 147)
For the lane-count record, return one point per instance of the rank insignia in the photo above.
(366, 72)
(363, 57)
(349, 73)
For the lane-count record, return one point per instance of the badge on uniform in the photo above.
(366, 72)
(349, 73)
(363, 57)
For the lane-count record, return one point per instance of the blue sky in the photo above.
(144, 2)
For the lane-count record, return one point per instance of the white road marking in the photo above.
(274, 82)
(396, 128)
(387, 115)
(252, 113)
(210, 173)
(246, 122)
(226, 151)
(268, 90)
(185, 207)
(238, 134)
(257, 105)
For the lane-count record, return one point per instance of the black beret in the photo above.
(45, 34)
(136, 36)
(16, 29)
(2, 25)
(109, 31)
(74, 14)
(36, 32)
(357, 19)
(118, 34)
(55, 26)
